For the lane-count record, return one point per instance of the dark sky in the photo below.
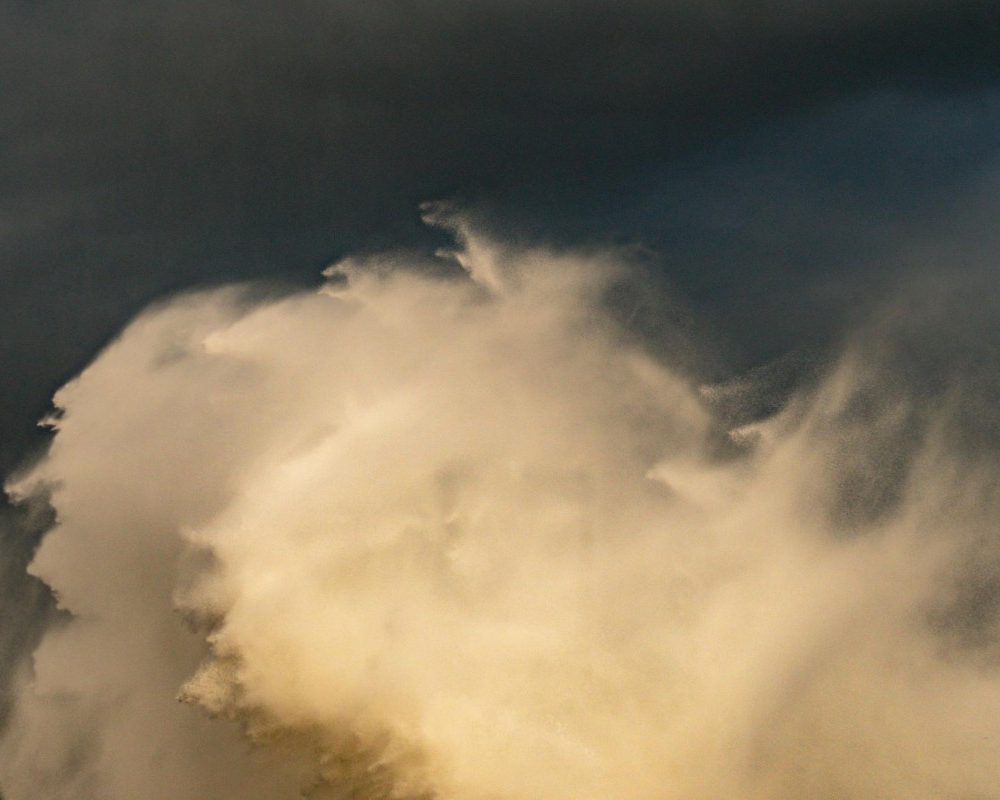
(777, 157)
(754, 146)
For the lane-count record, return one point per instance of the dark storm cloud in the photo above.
(148, 146)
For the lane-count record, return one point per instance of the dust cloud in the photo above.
(463, 533)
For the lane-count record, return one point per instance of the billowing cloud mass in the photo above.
(462, 530)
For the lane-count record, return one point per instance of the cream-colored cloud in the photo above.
(463, 537)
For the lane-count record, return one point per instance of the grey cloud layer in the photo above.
(149, 146)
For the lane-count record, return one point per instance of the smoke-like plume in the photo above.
(460, 535)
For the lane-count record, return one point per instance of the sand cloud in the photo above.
(453, 530)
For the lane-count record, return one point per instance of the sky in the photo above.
(150, 147)
(803, 196)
